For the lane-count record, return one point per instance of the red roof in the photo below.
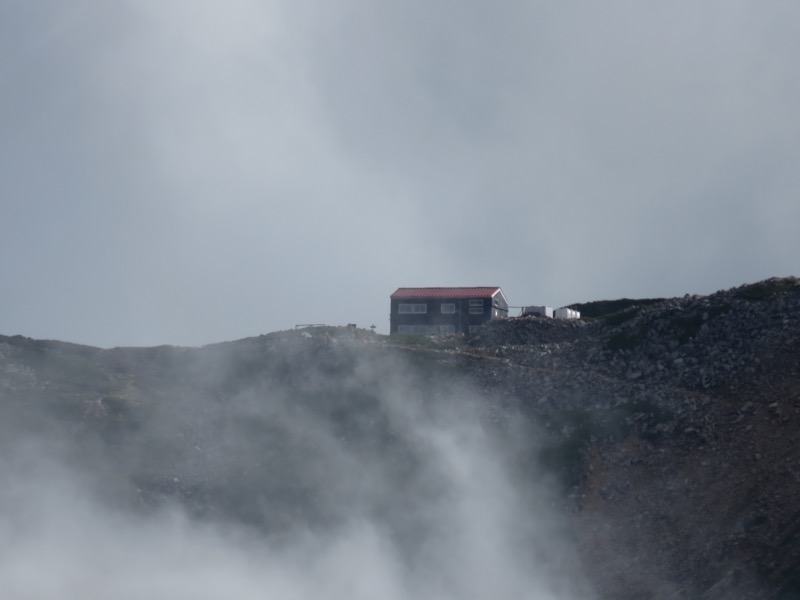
(444, 292)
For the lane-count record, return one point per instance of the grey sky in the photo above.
(186, 172)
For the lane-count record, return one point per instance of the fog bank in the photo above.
(371, 483)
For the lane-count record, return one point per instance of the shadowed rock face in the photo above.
(664, 433)
(697, 484)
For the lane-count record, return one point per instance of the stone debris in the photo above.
(671, 425)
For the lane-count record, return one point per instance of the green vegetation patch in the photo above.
(623, 316)
(404, 339)
(608, 308)
(718, 310)
(443, 342)
(628, 340)
(687, 327)
(574, 430)
(769, 288)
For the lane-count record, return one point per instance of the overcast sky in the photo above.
(188, 171)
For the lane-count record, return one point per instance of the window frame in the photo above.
(412, 308)
(426, 329)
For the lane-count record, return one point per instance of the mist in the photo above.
(191, 172)
(303, 471)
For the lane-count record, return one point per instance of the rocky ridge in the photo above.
(701, 469)
(671, 424)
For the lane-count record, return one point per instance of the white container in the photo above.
(567, 313)
(542, 311)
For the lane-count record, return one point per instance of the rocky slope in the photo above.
(669, 426)
(697, 483)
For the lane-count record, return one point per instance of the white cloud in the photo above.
(418, 501)
(179, 152)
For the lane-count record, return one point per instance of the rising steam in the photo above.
(278, 491)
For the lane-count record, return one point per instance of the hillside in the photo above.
(647, 451)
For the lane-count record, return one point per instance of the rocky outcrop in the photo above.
(728, 339)
(670, 424)
(690, 470)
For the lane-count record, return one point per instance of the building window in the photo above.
(448, 308)
(417, 329)
(477, 302)
(426, 329)
(417, 308)
(476, 310)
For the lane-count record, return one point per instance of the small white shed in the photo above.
(542, 311)
(567, 313)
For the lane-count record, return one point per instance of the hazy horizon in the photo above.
(192, 172)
